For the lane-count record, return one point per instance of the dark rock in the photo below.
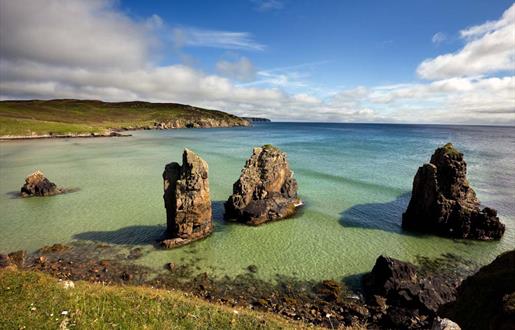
(252, 268)
(171, 266)
(187, 200)
(5, 261)
(37, 184)
(443, 203)
(329, 290)
(266, 189)
(135, 253)
(54, 248)
(18, 257)
(410, 301)
(486, 300)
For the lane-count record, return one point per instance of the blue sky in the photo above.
(353, 42)
(349, 61)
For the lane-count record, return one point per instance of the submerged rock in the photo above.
(486, 300)
(444, 203)
(37, 184)
(407, 300)
(266, 189)
(187, 200)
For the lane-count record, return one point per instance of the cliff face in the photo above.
(444, 203)
(199, 123)
(266, 189)
(187, 200)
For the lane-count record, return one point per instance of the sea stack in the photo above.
(37, 184)
(266, 189)
(442, 201)
(187, 200)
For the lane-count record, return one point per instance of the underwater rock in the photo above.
(187, 200)
(444, 203)
(266, 189)
(37, 184)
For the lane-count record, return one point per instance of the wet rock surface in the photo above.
(266, 189)
(444, 203)
(187, 200)
(403, 297)
(486, 300)
(37, 184)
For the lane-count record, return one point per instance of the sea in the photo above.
(355, 181)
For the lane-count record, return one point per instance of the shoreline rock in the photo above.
(403, 298)
(266, 189)
(187, 200)
(36, 184)
(486, 300)
(444, 203)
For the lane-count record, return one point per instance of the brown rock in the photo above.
(443, 203)
(18, 257)
(187, 200)
(37, 184)
(266, 189)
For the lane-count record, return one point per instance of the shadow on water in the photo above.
(145, 234)
(379, 216)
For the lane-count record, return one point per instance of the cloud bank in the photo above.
(93, 50)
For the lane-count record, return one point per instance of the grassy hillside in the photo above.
(84, 116)
(32, 300)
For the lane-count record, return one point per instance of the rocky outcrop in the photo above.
(405, 299)
(486, 300)
(201, 123)
(187, 200)
(444, 203)
(266, 189)
(37, 184)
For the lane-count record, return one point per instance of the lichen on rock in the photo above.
(187, 200)
(266, 189)
(444, 203)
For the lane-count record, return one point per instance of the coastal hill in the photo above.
(73, 117)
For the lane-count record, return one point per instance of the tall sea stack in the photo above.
(442, 201)
(187, 200)
(266, 189)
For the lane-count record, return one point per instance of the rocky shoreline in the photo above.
(394, 294)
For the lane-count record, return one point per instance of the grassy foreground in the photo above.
(32, 300)
(36, 117)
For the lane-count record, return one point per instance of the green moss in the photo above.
(32, 300)
(451, 150)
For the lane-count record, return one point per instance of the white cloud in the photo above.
(91, 49)
(489, 48)
(194, 37)
(268, 5)
(241, 69)
(438, 38)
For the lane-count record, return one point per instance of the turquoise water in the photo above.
(355, 181)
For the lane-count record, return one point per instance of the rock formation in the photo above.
(442, 201)
(406, 299)
(37, 184)
(266, 189)
(187, 201)
(486, 300)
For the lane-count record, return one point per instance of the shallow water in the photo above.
(354, 178)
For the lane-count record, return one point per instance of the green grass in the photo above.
(32, 300)
(451, 150)
(86, 116)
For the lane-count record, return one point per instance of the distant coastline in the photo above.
(71, 118)
(257, 119)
